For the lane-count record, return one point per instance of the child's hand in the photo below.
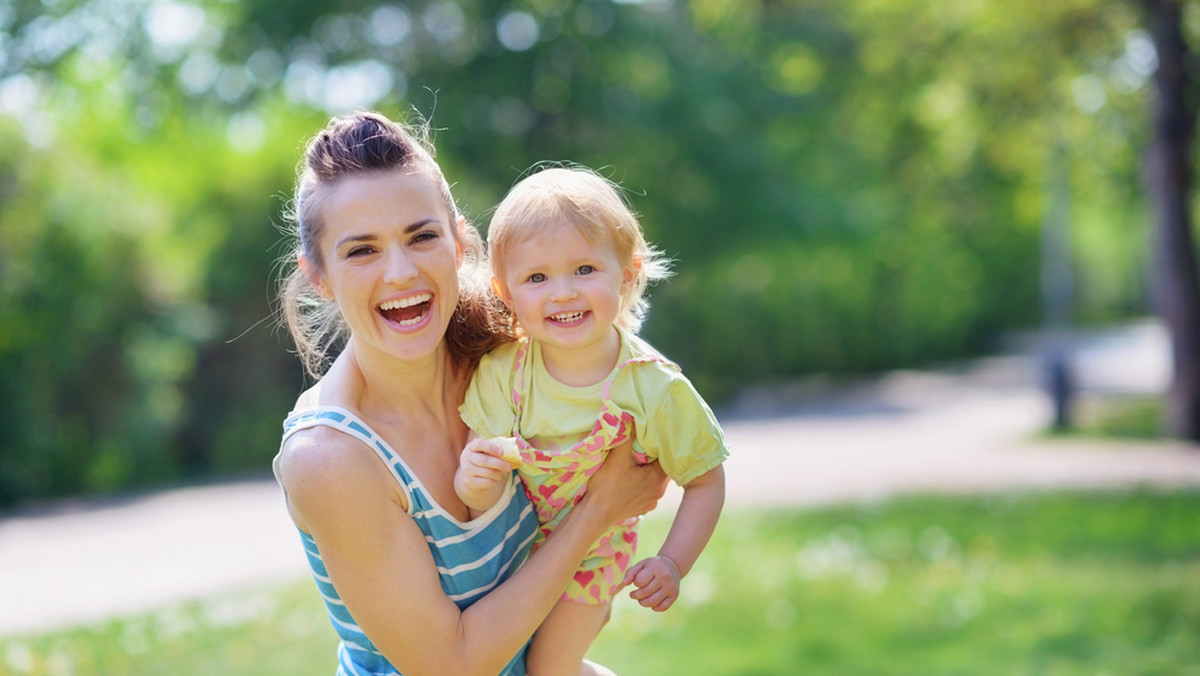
(482, 466)
(657, 581)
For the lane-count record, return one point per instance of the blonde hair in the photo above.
(582, 198)
(353, 145)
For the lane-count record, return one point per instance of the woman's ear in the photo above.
(314, 278)
(458, 241)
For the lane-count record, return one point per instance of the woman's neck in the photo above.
(383, 388)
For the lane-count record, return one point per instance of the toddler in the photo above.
(570, 261)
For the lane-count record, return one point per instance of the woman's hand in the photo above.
(624, 488)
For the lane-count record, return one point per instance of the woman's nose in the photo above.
(400, 268)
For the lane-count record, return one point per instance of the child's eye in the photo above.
(537, 278)
(586, 269)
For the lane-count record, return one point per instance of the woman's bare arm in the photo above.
(338, 494)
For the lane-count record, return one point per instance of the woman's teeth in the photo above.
(406, 302)
(406, 311)
(410, 322)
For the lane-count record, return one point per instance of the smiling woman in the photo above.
(387, 275)
(389, 259)
(364, 155)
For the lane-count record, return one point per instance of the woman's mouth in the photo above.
(407, 311)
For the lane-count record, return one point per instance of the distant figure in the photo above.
(386, 268)
(570, 260)
(1059, 386)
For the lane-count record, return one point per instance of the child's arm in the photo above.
(657, 578)
(482, 471)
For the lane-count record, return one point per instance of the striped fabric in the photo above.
(472, 558)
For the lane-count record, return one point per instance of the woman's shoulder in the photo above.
(321, 448)
(323, 471)
(321, 453)
(310, 398)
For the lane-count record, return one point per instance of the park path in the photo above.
(970, 428)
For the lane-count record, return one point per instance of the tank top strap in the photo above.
(346, 422)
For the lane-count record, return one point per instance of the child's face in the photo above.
(564, 290)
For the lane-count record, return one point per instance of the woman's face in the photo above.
(391, 261)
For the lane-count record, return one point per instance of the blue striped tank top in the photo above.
(472, 558)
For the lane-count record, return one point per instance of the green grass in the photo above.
(1117, 417)
(1059, 583)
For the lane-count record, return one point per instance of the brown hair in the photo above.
(578, 196)
(353, 145)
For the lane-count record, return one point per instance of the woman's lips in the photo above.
(407, 311)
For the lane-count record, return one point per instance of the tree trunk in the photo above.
(1176, 283)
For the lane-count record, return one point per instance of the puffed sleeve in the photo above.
(487, 408)
(681, 432)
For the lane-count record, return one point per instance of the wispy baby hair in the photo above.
(555, 194)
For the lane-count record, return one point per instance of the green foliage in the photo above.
(67, 320)
(128, 274)
(845, 186)
(1063, 583)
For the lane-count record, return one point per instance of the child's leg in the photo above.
(560, 643)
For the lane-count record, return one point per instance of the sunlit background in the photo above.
(847, 188)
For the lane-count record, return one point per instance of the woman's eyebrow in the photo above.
(420, 224)
(369, 237)
(354, 238)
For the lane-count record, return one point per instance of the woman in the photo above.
(386, 263)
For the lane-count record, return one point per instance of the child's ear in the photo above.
(632, 270)
(502, 291)
(317, 281)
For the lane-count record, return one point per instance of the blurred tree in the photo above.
(846, 186)
(1171, 174)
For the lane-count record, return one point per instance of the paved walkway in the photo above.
(972, 428)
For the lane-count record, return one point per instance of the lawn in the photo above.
(1055, 583)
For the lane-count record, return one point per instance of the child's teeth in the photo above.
(570, 317)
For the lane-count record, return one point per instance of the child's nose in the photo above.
(563, 289)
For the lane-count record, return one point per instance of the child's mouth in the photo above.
(406, 311)
(568, 318)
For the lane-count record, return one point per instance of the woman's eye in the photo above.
(586, 269)
(537, 278)
(358, 251)
(424, 236)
